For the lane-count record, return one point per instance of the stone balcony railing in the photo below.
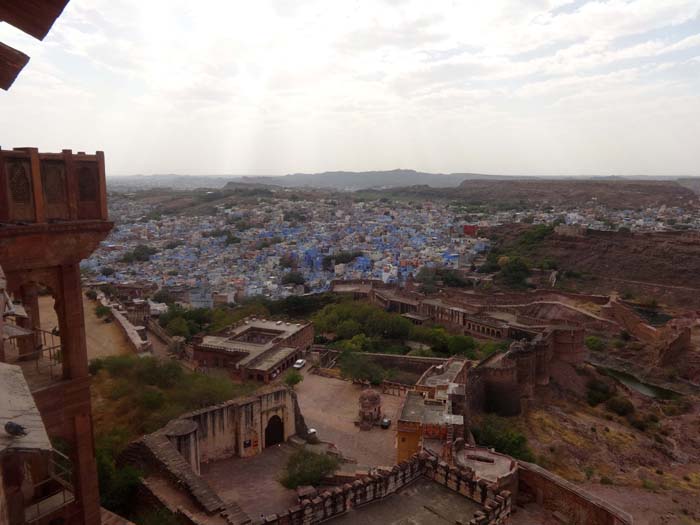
(38, 188)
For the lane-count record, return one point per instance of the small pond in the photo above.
(635, 384)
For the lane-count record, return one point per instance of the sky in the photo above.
(547, 87)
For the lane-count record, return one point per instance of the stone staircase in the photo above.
(449, 440)
(234, 515)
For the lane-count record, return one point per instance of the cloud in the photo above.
(311, 85)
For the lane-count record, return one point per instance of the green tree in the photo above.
(348, 329)
(293, 378)
(515, 272)
(358, 367)
(163, 296)
(462, 345)
(307, 468)
(293, 277)
(178, 327)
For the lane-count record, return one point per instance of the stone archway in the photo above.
(274, 432)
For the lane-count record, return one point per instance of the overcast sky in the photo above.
(274, 87)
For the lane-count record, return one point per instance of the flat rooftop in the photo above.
(271, 333)
(423, 502)
(352, 288)
(486, 464)
(417, 409)
(442, 378)
(393, 296)
(272, 358)
(17, 405)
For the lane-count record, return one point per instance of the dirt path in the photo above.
(102, 338)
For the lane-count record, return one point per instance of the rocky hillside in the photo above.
(618, 194)
(661, 265)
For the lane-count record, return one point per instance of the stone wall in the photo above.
(632, 323)
(407, 363)
(558, 495)
(495, 503)
(237, 428)
(672, 352)
(128, 329)
(159, 331)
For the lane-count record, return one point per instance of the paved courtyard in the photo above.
(331, 405)
(252, 482)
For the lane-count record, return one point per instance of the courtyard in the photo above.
(331, 405)
(253, 482)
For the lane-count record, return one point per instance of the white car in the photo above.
(299, 364)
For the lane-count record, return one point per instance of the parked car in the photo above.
(385, 423)
(299, 364)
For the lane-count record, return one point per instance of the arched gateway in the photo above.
(274, 432)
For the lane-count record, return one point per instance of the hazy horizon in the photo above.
(548, 88)
(514, 175)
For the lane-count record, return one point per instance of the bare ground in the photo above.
(102, 338)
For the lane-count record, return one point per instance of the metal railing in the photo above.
(45, 360)
(54, 492)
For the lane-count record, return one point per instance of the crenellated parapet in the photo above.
(495, 504)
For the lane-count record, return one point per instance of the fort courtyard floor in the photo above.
(103, 339)
(253, 482)
(331, 406)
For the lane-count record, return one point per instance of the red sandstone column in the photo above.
(29, 296)
(78, 426)
(2, 311)
(69, 309)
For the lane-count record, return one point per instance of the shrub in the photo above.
(118, 486)
(515, 272)
(293, 378)
(307, 468)
(91, 294)
(102, 311)
(118, 365)
(620, 405)
(598, 392)
(178, 327)
(498, 433)
(151, 399)
(639, 424)
(606, 481)
(595, 344)
(95, 366)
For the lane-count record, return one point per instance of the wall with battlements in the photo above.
(495, 503)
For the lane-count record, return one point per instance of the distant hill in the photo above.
(377, 180)
(616, 193)
(176, 182)
(358, 180)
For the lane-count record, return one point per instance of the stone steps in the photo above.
(234, 515)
